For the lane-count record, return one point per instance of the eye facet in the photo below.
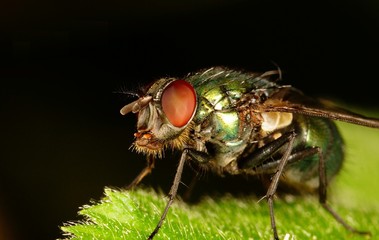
(179, 102)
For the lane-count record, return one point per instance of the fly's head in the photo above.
(165, 112)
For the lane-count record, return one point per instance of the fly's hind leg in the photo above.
(147, 170)
(275, 167)
(260, 166)
(323, 196)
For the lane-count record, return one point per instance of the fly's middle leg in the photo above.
(285, 142)
(275, 180)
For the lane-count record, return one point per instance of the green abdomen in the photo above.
(316, 132)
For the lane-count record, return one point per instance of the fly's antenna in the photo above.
(136, 105)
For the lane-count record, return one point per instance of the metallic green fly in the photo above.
(243, 123)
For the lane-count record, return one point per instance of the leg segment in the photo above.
(264, 153)
(275, 180)
(172, 193)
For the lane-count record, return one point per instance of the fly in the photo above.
(243, 123)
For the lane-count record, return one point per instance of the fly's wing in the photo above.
(288, 99)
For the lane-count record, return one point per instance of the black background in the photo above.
(62, 138)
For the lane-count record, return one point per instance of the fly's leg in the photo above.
(323, 195)
(172, 193)
(298, 156)
(260, 156)
(147, 170)
(275, 180)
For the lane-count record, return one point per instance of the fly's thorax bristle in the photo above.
(183, 139)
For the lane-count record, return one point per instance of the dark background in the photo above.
(62, 138)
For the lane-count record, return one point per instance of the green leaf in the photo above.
(134, 214)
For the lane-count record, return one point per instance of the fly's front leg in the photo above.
(323, 196)
(172, 193)
(147, 170)
(198, 156)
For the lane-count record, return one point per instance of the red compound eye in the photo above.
(178, 102)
